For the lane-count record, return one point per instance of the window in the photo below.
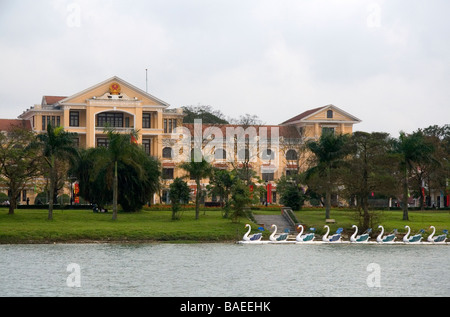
(291, 155)
(167, 153)
(127, 122)
(76, 142)
(110, 119)
(330, 114)
(170, 125)
(268, 176)
(58, 121)
(53, 121)
(74, 119)
(220, 154)
(44, 126)
(102, 142)
(167, 173)
(326, 130)
(146, 120)
(24, 195)
(146, 145)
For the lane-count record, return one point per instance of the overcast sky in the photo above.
(385, 62)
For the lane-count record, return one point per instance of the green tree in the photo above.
(368, 169)
(197, 171)
(240, 199)
(291, 192)
(121, 172)
(19, 162)
(411, 149)
(221, 182)
(329, 152)
(179, 193)
(57, 146)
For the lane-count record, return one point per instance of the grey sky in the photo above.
(385, 62)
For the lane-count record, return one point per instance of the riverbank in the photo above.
(84, 226)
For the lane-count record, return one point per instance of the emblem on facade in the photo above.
(114, 89)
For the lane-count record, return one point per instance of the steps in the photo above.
(268, 220)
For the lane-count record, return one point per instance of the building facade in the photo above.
(118, 104)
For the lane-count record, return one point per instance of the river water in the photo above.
(221, 269)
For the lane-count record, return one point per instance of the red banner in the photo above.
(269, 193)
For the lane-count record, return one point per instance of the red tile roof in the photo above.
(303, 115)
(7, 124)
(50, 100)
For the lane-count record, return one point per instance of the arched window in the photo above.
(330, 114)
(291, 155)
(167, 153)
(220, 154)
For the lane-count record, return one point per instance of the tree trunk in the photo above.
(328, 195)
(13, 199)
(197, 200)
(405, 195)
(366, 216)
(12, 204)
(51, 193)
(115, 190)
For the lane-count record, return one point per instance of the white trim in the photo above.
(121, 81)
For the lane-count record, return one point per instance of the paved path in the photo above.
(278, 220)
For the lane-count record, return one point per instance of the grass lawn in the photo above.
(32, 226)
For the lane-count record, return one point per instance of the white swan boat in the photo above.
(334, 238)
(254, 238)
(279, 238)
(438, 239)
(304, 238)
(389, 238)
(414, 239)
(363, 238)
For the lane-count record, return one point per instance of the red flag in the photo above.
(133, 139)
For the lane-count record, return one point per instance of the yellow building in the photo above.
(124, 107)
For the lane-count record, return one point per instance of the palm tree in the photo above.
(197, 171)
(411, 149)
(57, 145)
(120, 149)
(329, 150)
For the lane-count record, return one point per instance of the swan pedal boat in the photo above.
(336, 238)
(279, 238)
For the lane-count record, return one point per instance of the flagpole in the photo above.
(146, 81)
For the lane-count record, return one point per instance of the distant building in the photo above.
(124, 107)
